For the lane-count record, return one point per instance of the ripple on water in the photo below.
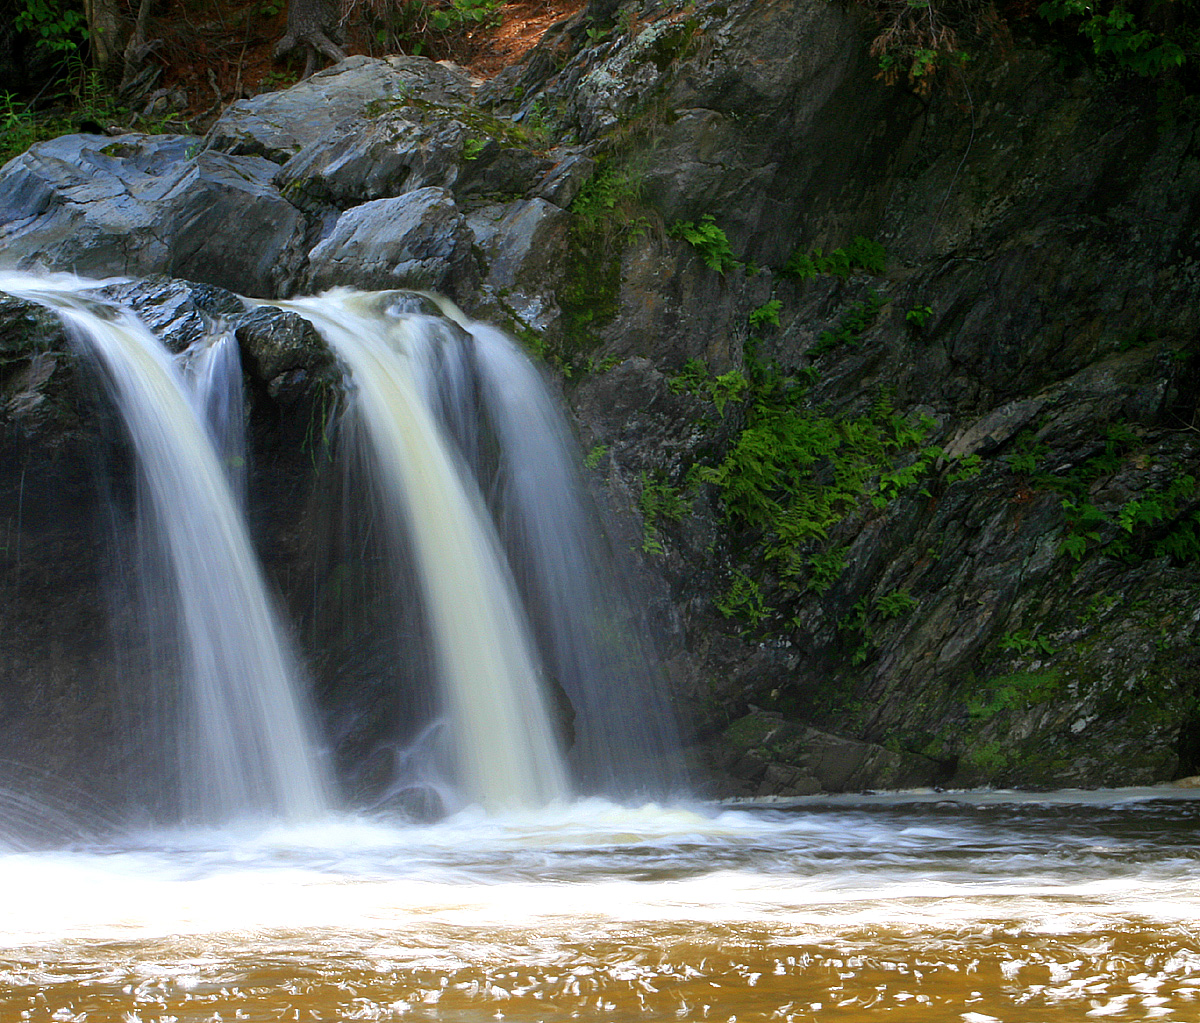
(857, 911)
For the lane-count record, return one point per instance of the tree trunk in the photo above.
(107, 29)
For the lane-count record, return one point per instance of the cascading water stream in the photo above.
(214, 378)
(504, 743)
(252, 750)
(625, 736)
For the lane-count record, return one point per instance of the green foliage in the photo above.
(744, 600)
(766, 313)
(607, 217)
(918, 316)
(417, 26)
(607, 202)
(1016, 691)
(473, 147)
(693, 378)
(659, 500)
(58, 27)
(792, 474)
(731, 386)
(826, 567)
(895, 605)
(21, 126)
(1026, 454)
(860, 254)
(967, 467)
(709, 241)
(1023, 643)
(595, 456)
(989, 757)
(18, 129)
(850, 328)
(1116, 35)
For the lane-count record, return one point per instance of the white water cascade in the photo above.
(248, 746)
(495, 399)
(502, 739)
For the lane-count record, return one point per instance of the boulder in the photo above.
(140, 205)
(278, 125)
(417, 240)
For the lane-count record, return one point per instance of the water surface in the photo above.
(1073, 906)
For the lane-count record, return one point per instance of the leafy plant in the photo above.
(709, 241)
(766, 313)
(826, 567)
(473, 147)
(692, 378)
(1115, 33)
(967, 467)
(731, 386)
(659, 500)
(860, 254)
(57, 27)
(595, 456)
(744, 600)
(1023, 643)
(850, 327)
(417, 26)
(896, 604)
(918, 316)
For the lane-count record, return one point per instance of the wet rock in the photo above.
(526, 247)
(278, 125)
(784, 758)
(141, 205)
(418, 240)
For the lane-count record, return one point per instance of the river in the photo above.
(930, 907)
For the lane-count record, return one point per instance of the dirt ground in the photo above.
(218, 51)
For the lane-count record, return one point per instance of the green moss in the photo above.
(673, 43)
(607, 217)
(1016, 691)
(750, 732)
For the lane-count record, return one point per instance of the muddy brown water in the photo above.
(971, 908)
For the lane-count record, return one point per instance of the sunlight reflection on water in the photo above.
(905, 908)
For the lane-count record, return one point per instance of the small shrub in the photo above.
(709, 241)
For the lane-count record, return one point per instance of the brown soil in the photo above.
(222, 48)
(522, 26)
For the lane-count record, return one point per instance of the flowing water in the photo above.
(503, 738)
(1067, 907)
(529, 905)
(243, 741)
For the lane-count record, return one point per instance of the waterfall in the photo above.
(471, 640)
(249, 747)
(624, 732)
(503, 740)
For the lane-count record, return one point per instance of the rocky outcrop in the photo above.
(415, 240)
(139, 205)
(905, 434)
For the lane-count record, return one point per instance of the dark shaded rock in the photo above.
(562, 182)
(778, 757)
(378, 158)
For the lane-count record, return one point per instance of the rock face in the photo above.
(904, 433)
(139, 205)
(416, 240)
